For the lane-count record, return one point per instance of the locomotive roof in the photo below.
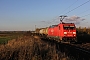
(53, 26)
(58, 24)
(66, 23)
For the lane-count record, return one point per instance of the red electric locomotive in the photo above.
(63, 32)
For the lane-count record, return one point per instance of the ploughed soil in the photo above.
(29, 47)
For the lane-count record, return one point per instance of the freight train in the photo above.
(60, 32)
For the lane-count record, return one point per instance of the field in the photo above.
(6, 36)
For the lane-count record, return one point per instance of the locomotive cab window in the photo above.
(68, 27)
(72, 27)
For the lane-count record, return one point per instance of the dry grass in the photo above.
(29, 47)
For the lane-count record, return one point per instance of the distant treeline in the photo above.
(8, 32)
(83, 30)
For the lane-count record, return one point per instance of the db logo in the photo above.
(52, 30)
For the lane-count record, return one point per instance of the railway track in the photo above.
(77, 51)
(74, 51)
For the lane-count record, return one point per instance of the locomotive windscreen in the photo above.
(66, 27)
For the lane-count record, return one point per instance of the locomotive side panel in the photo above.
(55, 31)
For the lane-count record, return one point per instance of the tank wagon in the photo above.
(42, 31)
(37, 30)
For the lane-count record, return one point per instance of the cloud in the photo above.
(74, 19)
(46, 22)
(77, 23)
(43, 21)
(83, 19)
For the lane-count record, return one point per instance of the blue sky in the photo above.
(25, 14)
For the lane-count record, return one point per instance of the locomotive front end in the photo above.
(69, 32)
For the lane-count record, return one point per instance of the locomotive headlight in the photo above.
(74, 32)
(65, 32)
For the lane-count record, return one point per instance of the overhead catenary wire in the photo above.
(83, 11)
(69, 6)
(78, 6)
(75, 8)
(85, 15)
